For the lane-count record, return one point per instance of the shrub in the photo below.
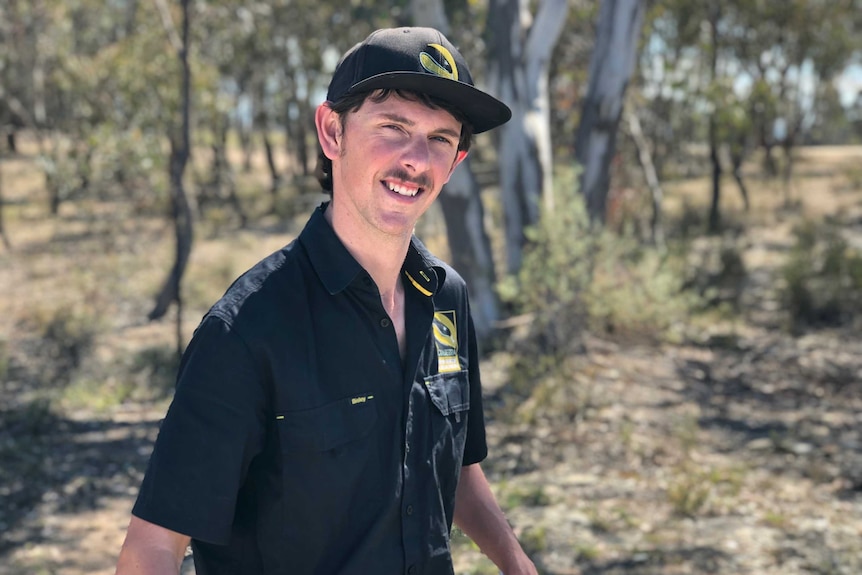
(64, 338)
(577, 277)
(822, 278)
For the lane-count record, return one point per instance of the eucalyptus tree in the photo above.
(520, 45)
(179, 136)
(95, 97)
(24, 33)
(611, 67)
(790, 49)
(752, 69)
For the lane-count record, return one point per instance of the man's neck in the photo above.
(380, 255)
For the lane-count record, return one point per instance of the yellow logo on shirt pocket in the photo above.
(446, 338)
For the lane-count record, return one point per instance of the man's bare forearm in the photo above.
(480, 517)
(151, 550)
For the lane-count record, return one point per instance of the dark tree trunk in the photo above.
(715, 161)
(6, 243)
(714, 209)
(470, 246)
(302, 154)
(247, 144)
(737, 157)
(222, 177)
(611, 67)
(275, 176)
(181, 209)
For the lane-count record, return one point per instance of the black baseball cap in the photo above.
(421, 60)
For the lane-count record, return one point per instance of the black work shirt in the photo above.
(298, 442)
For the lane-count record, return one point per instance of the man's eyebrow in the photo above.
(408, 122)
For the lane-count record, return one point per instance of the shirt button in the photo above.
(409, 510)
(411, 570)
(385, 322)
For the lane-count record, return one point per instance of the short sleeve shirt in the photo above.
(299, 442)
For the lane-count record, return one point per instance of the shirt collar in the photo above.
(334, 265)
(422, 270)
(337, 268)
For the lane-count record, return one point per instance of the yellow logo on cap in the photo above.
(438, 69)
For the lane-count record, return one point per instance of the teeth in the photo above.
(403, 190)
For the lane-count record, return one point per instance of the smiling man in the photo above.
(328, 411)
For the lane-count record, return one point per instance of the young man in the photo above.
(328, 411)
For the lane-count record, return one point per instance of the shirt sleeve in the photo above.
(476, 448)
(213, 429)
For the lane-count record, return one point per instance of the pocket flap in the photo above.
(328, 426)
(450, 392)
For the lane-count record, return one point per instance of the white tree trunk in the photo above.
(611, 67)
(650, 175)
(462, 208)
(520, 50)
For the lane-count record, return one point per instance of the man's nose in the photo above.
(416, 155)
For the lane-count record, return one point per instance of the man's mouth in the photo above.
(403, 189)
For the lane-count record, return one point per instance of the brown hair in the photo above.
(353, 102)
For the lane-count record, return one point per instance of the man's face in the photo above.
(390, 160)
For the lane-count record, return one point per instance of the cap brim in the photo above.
(484, 111)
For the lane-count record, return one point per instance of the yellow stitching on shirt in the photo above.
(421, 289)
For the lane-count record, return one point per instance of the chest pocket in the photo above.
(450, 393)
(329, 426)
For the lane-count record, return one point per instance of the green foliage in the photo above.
(577, 278)
(716, 273)
(776, 520)
(587, 551)
(65, 338)
(131, 166)
(4, 358)
(697, 491)
(534, 540)
(32, 419)
(635, 291)
(854, 176)
(529, 496)
(146, 375)
(822, 278)
(689, 492)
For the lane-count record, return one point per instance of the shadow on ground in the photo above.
(793, 405)
(696, 560)
(53, 464)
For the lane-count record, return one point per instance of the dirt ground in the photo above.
(737, 451)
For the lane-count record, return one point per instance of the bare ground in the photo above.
(737, 451)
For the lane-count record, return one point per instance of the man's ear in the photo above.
(329, 132)
(459, 157)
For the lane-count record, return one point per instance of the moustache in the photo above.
(421, 180)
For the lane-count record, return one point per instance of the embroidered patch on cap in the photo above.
(446, 338)
(439, 61)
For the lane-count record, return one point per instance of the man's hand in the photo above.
(480, 517)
